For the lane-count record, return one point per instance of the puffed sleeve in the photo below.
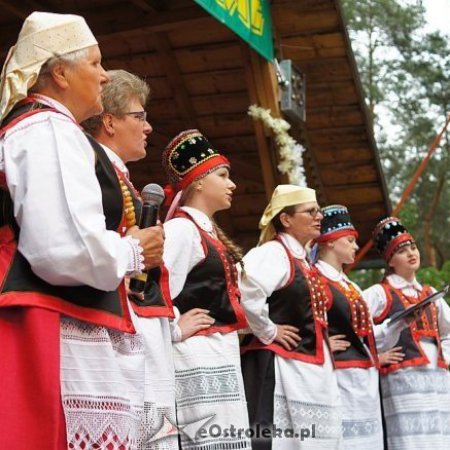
(267, 269)
(385, 336)
(182, 251)
(50, 172)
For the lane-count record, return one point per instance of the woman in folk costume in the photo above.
(122, 130)
(352, 334)
(290, 382)
(203, 285)
(63, 255)
(416, 390)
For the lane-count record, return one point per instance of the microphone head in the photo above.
(153, 194)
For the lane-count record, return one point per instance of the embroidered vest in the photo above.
(212, 285)
(349, 315)
(426, 326)
(157, 301)
(302, 303)
(19, 286)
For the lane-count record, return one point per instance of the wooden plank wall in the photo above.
(203, 76)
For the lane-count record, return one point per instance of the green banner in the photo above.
(250, 19)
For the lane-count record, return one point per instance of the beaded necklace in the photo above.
(423, 324)
(128, 207)
(319, 298)
(358, 307)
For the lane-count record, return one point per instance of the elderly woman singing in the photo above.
(65, 323)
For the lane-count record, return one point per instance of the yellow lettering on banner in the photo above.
(249, 11)
(257, 17)
(244, 13)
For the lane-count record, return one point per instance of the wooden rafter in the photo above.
(128, 26)
(21, 9)
(149, 5)
(185, 108)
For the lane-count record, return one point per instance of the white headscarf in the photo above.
(284, 195)
(42, 37)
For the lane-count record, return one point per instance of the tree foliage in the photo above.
(405, 72)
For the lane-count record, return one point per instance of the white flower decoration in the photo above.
(291, 159)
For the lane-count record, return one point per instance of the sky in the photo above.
(438, 14)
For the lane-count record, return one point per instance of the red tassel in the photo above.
(170, 193)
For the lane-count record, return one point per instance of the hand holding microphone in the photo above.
(151, 237)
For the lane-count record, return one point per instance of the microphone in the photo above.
(152, 198)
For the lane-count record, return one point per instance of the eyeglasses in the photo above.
(139, 115)
(313, 212)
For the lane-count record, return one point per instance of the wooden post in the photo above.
(263, 91)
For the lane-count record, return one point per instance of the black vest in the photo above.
(156, 301)
(21, 287)
(212, 285)
(342, 321)
(301, 303)
(409, 339)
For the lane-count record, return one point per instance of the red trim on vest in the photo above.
(319, 325)
(8, 245)
(368, 332)
(383, 314)
(147, 311)
(354, 364)
(317, 359)
(231, 282)
(3, 183)
(416, 334)
(28, 100)
(158, 311)
(101, 318)
(22, 117)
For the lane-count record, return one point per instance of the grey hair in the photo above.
(71, 58)
(123, 86)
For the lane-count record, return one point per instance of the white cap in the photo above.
(42, 37)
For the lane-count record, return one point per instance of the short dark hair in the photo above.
(276, 222)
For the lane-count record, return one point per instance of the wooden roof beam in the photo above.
(24, 9)
(149, 5)
(129, 24)
(245, 170)
(182, 99)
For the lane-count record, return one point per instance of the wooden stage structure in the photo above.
(202, 75)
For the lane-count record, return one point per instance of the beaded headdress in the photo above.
(390, 235)
(336, 223)
(188, 157)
